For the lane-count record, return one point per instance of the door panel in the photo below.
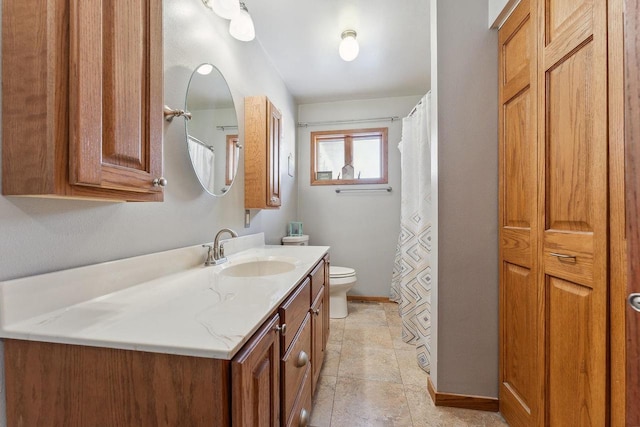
(569, 143)
(519, 337)
(632, 145)
(562, 15)
(518, 159)
(573, 203)
(571, 363)
(521, 359)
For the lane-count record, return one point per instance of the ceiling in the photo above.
(302, 36)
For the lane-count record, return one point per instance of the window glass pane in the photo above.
(366, 157)
(330, 156)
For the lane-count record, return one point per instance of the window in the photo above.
(349, 157)
(233, 151)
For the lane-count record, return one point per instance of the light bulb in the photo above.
(241, 27)
(349, 47)
(227, 9)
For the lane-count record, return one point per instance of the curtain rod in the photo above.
(354, 190)
(197, 141)
(222, 128)
(414, 109)
(341, 122)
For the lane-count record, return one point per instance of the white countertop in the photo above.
(195, 311)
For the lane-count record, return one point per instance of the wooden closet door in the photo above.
(632, 144)
(573, 207)
(521, 355)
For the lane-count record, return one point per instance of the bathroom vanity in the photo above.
(162, 340)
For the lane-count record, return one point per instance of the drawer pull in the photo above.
(564, 257)
(316, 312)
(304, 418)
(303, 359)
(282, 329)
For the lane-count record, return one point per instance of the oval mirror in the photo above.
(212, 132)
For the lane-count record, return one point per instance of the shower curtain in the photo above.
(411, 281)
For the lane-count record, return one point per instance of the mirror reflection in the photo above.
(212, 133)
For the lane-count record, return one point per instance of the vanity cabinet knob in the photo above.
(159, 182)
(282, 329)
(303, 359)
(316, 312)
(304, 418)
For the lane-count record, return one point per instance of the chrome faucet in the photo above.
(215, 255)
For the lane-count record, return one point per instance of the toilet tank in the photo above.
(296, 240)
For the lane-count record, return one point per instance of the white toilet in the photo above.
(341, 280)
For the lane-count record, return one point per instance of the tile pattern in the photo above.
(370, 377)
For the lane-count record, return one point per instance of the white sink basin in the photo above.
(257, 268)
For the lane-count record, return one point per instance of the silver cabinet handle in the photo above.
(316, 312)
(564, 256)
(303, 359)
(159, 182)
(282, 329)
(304, 418)
(634, 301)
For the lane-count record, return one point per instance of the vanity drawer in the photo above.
(301, 413)
(317, 280)
(295, 364)
(292, 313)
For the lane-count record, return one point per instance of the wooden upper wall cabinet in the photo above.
(82, 99)
(263, 133)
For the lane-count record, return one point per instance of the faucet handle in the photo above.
(210, 260)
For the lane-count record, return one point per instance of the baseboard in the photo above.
(462, 401)
(367, 299)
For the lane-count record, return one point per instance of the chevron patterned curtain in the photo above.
(411, 282)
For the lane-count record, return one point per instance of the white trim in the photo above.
(508, 8)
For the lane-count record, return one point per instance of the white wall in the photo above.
(465, 152)
(362, 229)
(41, 235)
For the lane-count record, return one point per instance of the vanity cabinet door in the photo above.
(263, 134)
(255, 379)
(116, 94)
(318, 344)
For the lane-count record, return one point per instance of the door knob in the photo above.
(282, 329)
(634, 301)
(159, 182)
(303, 359)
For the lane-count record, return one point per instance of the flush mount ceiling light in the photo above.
(227, 9)
(241, 27)
(349, 46)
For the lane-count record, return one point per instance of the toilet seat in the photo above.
(336, 272)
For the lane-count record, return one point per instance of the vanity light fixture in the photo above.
(227, 9)
(241, 27)
(349, 48)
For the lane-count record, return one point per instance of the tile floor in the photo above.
(370, 377)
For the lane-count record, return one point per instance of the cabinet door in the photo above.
(325, 338)
(273, 155)
(255, 380)
(116, 94)
(318, 344)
